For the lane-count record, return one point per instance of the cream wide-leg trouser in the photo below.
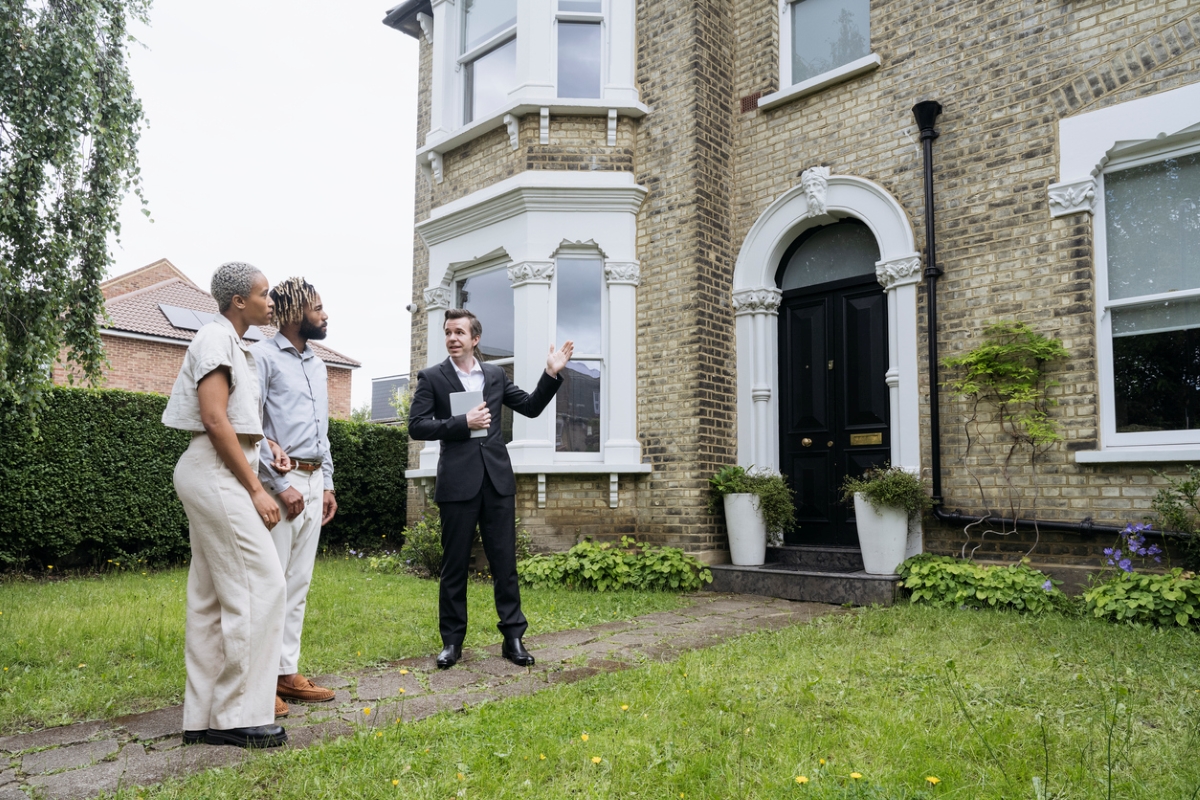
(296, 543)
(235, 596)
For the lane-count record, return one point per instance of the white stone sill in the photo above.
(1136, 455)
(818, 82)
(559, 107)
(592, 468)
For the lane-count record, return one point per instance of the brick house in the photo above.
(144, 348)
(724, 203)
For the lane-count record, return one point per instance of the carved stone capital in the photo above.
(1071, 197)
(898, 272)
(438, 298)
(815, 182)
(622, 273)
(530, 272)
(757, 301)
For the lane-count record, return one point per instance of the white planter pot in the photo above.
(882, 536)
(747, 530)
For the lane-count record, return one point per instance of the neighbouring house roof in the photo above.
(148, 275)
(138, 311)
(381, 396)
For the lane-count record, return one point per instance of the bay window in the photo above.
(489, 55)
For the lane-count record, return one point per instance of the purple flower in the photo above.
(1125, 564)
(1048, 585)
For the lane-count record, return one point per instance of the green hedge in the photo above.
(97, 483)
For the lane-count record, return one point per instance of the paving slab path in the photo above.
(92, 758)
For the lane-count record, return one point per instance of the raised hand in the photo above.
(557, 360)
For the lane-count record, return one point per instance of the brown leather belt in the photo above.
(306, 466)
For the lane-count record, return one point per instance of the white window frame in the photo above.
(466, 62)
(1143, 130)
(589, 252)
(788, 90)
(535, 90)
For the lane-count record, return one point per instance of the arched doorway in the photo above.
(834, 414)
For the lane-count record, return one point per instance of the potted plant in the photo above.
(755, 505)
(884, 498)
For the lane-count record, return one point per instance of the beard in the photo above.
(310, 331)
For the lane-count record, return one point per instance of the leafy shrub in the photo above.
(605, 567)
(422, 550)
(889, 487)
(96, 484)
(1170, 599)
(775, 496)
(946, 582)
(1178, 508)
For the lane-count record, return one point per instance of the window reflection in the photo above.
(844, 249)
(577, 423)
(578, 59)
(488, 81)
(489, 296)
(827, 34)
(483, 19)
(579, 6)
(580, 286)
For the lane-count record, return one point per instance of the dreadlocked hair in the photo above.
(290, 297)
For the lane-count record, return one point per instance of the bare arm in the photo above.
(213, 394)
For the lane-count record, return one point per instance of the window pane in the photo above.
(579, 6)
(1152, 225)
(580, 284)
(1156, 381)
(489, 79)
(827, 34)
(578, 59)
(489, 297)
(577, 426)
(483, 19)
(844, 249)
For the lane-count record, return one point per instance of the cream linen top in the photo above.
(217, 345)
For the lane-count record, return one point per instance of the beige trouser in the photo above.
(235, 596)
(296, 543)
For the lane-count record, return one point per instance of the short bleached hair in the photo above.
(291, 298)
(233, 278)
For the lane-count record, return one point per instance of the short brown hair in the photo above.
(462, 313)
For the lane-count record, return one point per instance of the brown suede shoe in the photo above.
(281, 709)
(298, 687)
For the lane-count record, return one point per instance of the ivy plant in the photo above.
(69, 126)
(1008, 368)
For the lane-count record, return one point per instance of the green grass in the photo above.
(89, 648)
(1059, 699)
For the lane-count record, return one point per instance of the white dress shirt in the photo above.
(472, 381)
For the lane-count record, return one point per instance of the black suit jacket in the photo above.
(464, 460)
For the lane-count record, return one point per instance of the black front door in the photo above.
(833, 403)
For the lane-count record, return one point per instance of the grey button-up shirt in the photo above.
(295, 408)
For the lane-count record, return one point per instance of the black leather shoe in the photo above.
(260, 736)
(194, 737)
(514, 651)
(449, 656)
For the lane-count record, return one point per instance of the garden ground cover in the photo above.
(987, 704)
(100, 647)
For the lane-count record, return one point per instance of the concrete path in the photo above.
(89, 758)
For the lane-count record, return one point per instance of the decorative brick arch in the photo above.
(822, 198)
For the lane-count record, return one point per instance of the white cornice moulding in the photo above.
(518, 109)
(533, 191)
(1072, 197)
(898, 272)
(824, 80)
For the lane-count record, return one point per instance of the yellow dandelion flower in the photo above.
(462, 777)
(426, 749)
(596, 759)
(932, 781)
(81, 666)
(403, 672)
(541, 756)
(360, 652)
(401, 690)
(624, 707)
(821, 761)
(584, 737)
(856, 775)
(50, 566)
(378, 735)
(645, 716)
(801, 779)
(395, 782)
(367, 711)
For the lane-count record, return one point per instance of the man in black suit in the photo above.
(475, 481)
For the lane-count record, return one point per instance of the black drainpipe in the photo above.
(926, 113)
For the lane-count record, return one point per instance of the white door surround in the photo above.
(822, 198)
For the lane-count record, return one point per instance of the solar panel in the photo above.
(188, 319)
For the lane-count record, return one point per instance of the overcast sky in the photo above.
(283, 134)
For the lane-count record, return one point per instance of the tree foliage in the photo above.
(69, 126)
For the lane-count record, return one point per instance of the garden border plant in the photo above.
(1007, 371)
(775, 497)
(605, 566)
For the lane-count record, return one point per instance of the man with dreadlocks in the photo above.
(295, 409)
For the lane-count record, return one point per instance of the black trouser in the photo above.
(496, 516)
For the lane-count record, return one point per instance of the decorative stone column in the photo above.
(899, 278)
(756, 313)
(535, 27)
(533, 439)
(437, 300)
(620, 395)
